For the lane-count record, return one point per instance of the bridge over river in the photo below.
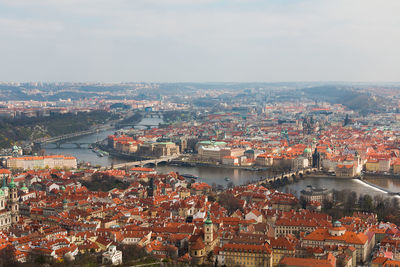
(63, 139)
(288, 175)
(142, 163)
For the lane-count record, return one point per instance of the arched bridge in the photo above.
(142, 163)
(153, 114)
(288, 175)
(67, 144)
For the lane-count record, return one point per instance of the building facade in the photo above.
(48, 162)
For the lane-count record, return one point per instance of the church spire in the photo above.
(208, 220)
(4, 182)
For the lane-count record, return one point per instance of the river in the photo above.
(87, 155)
(217, 175)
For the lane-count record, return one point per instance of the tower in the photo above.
(316, 159)
(308, 155)
(13, 205)
(208, 230)
(2, 200)
(4, 187)
(152, 188)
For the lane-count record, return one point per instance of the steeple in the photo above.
(12, 203)
(4, 182)
(208, 229)
(208, 220)
(12, 183)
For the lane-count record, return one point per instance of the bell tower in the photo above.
(208, 229)
(13, 206)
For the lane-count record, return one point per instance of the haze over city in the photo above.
(201, 40)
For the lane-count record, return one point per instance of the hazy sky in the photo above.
(199, 40)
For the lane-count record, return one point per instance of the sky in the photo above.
(199, 40)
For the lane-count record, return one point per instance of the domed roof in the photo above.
(337, 224)
(12, 183)
(24, 187)
(307, 150)
(208, 221)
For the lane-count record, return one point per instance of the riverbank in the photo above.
(382, 175)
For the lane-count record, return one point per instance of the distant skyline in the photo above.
(199, 40)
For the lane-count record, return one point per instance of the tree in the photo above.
(366, 203)
(214, 187)
(350, 203)
(303, 202)
(132, 252)
(229, 202)
(7, 256)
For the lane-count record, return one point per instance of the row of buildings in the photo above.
(129, 145)
(42, 162)
(169, 219)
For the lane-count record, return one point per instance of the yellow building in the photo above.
(245, 255)
(396, 168)
(372, 165)
(281, 247)
(339, 236)
(53, 161)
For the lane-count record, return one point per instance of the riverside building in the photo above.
(43, 162)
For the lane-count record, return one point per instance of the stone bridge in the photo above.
(288, 175)
(62, 144)
(142, 163)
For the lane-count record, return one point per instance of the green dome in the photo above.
(62, 188)
(307, 150)
(12, 183)
(208, 221)
(24, 187)
(1, 192)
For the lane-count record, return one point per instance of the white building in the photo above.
(300, 163)
(112, 256)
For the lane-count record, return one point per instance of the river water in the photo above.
(87, 155)
(218, 175)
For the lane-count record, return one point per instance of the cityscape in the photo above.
(207, 133)
(219, 174)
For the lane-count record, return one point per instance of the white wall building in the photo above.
(112, 256)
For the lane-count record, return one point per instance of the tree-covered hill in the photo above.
(16, 130)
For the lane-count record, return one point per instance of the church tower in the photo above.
(208, 230)
(13, 206)
(5, 188)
